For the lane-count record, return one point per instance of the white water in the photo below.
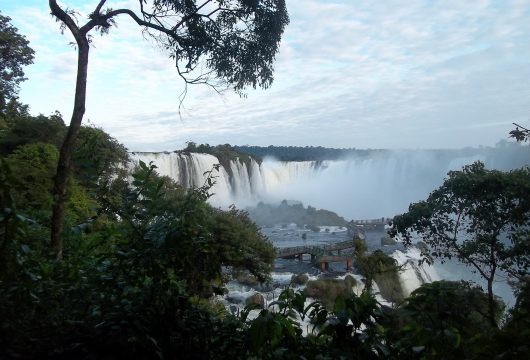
(413, 275)
(359, 188)
(383, 184)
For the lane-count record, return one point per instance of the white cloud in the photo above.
(365, 74)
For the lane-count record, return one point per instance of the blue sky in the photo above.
(365, 74)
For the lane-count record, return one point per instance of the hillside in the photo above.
(267, 215)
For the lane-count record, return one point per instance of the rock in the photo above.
(234, 299)
(299, 279)
(387, 240)
(256, 299)
(327, 290)
(247, 279)
(350, 281)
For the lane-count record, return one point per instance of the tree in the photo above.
(199, 243)
(444, 319)
(33, 165)
(479, 216)
(235, 41)
(14, 54)
(520, 133)
(379, 268)
(24, 129)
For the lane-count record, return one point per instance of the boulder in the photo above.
(300, 279)
(247, 279)
(255, 299)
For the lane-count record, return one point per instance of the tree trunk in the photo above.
(491, 302)
(65, 155)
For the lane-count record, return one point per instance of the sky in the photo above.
(364, 74)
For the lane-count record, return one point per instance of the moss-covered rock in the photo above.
(350, 281)
(327, 290)
(255, 299)
(387, 240)
(245, 278)
(384, 271)
(300, 279)
(389, 286)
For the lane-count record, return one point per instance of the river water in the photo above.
(413, 275)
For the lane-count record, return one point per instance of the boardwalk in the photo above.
(314, 250)
(321, 254)
(370, 224)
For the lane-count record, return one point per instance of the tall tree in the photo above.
(15, 53)
(234, 40)
(479, 216)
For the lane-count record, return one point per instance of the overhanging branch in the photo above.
(66, 19)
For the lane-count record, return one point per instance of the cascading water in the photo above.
(412, 274)
(240, 184)
(382, 184)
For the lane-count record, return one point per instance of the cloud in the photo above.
(360, 74)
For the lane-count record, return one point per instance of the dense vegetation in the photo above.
(285, 213)
(380, 269)
(512, 152)
(143, 259)
(232, 46)
(299, 153)
(479, 216)
(224, 153)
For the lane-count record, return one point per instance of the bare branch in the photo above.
(522, 127)
(137, 19)
(66, 19)
(100, 5)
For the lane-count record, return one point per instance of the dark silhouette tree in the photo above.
(15, 53)
(227, 43)
(520, 133)
(479, 216)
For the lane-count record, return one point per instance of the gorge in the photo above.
(378, 184)
(355, 184)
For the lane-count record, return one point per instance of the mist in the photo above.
(383, 184)
(377, 184)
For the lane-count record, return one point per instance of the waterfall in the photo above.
(413, 275)
(381, 184)
(241, 184)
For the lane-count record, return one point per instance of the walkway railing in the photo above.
(314, 249)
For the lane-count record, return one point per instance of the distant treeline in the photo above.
(269, 215)
(506, 152)
(306, 153)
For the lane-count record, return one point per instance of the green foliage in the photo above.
(520, 133)
(224, 153)
(98, 157)
(445, 319)
(512, 342)
(15, 54)
(122, 287)
(349, 330)
(480, 217)
(359, 247)
(307, 153)
(267, 214)
(382, 269)
(468, 215)
(34, 166)
(23, 129)
(328, 290)
(239, 57)
(197, 240)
